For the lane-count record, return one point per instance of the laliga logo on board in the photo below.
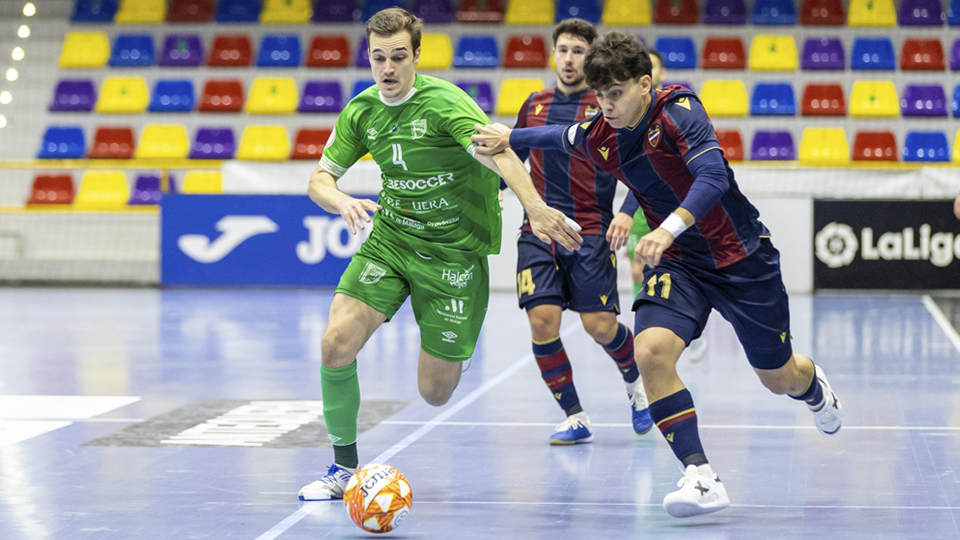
(837, 245)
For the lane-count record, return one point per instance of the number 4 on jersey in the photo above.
(398, 156)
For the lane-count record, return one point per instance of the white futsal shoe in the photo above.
(828, 416)
(330, 487)
(701, 492)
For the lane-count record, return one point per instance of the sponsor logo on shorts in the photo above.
(456, 278)
(603, 298)
(372, 274)
(449, 336)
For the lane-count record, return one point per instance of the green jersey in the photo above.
(435, 195)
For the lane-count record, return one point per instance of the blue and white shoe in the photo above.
(574, 430)
(642, 422)
(330, 487)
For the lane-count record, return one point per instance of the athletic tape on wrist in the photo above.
(674, 225)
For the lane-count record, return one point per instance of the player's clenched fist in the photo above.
(652, 245)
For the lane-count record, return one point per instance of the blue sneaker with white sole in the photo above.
(574, 430)
(642, 422)
(330, 487)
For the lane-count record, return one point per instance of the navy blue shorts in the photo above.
(750, 294)
(584, 281)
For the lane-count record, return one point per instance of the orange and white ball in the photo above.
(378, 498)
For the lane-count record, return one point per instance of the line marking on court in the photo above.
(659, 505)
(703, 426)
(309, 507)
(942, 321)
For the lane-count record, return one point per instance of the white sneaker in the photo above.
(697, 348)
(331, 486)
(574, 430)
(701, 492)
(828, 416)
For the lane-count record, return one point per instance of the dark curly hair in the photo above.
(615, 58)
(575, 27)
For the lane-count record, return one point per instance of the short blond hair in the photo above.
(393, 21)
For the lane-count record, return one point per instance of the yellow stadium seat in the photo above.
(167, 141)
(436, 52)
(85, 50)
(874, 99)
(773, 53)
(123, 95)
(264, 143)
(197, 182)
(530, 12)
(272, 96)
(956, 148)
(513, 92)
(871, 13)
(102, 190)
(627, 12)
(141, 12)
(286, 12)
(724, 98)
(824, 147)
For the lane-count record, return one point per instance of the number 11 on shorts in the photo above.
(454, 307)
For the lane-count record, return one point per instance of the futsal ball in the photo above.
(378, 498)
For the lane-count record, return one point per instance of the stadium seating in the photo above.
(922, 55)
(956, 147)
(774, 12)
(676, 12)
(530, 12)
(321, 96)
(678, 52)
(132, 50)
(141, 12)
(202, 183)
(723, 53)
(168, 141)
(275, 95)
(105, 190)
(525, 51)
(955, 102)
(309, 143)
(181, 50)
(112, 143)
(73, 95)
(953, 16)
(286, 12)
(873, 54)
(436, 52)
(926, 146)
(360, 86)
(824, 147)
(822, 13)
(955, 55)
(481, 92)
(96, 11)
(923, 100)
(279, 51)
(62, 142)
(773, 53)
(822, 54)
(230, 51)
(221, 96)
(871, 13)
(587, 10)
(363, 54)
(51, 189)
(239, 11)
(920, 13)
(874, 99)
(773, 99)
(146, 190)
(875, 146)
(480, 11)
(724, 98)
(731, 144)
(370, 7)
(211, 143)
(334, 11)
(190, 11)
(627, 12)
(823, 100)
(477, 52)
(729, 12)
(513, 92)
(264, 143)
(172, 96)
(329, 51)
(435, 11)
(122, 95)
(84, 50)
(772, 146)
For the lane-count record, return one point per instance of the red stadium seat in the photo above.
(875, 146)
(526, 51)
(822, 13)
(309, 143)
(922, 55)
(52, 189)
(823, 100)
(723, 53)
(481, 11)
(190, 11)
(676, 12)
(112, 143)
(230, 51)
(731, 144)
(329, 51)
(222, 96)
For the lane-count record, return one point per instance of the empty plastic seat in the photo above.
(309, 143)
(202, 183)
(141, 12)
(481, 92)
(264, 143)
(874, 99)
(822, 13)
(363, 54)
(923, 100)
(329, 51)
(286, 12)
(52, 189)
(955, 55)
(436, 52)
(773, 99)
(477, 52)
(172, 96)
(167, 141)
(213, 143)
(526, 51)
(956, 147)
(953, 19)
(435, 11)
(774, 12)
(513, 92)
(272, 96)
(587, 10)
(334, 11)
(190, 11)
(62, 142)
(825, 147)
(772, 146)
(926, 146)
(321, 96)
(132, 50)
(146, 190)
(627, 12)
(123, 95)
(480, 11)
(921, 13)
(239, 11)
(955, 102)
(824, 100)
(724, 98)
(530, 12)
(361, 85)
(73, 95)
(676, 12)
(871, 13)
(222, 96)
(181, 50)
(731, 144)
(100, 11)
(773, 53)
(875, 146)
(922, 55)
(723, 53)
(822, 54)
(106, 190)
(279, 51)
(371, 7)
(873, 54)
(112, 143)
(230, 51)
(733, 12)
(678, 52)
(84, 50)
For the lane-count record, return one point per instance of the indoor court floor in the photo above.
(195, 414)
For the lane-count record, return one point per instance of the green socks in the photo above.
(341, 404)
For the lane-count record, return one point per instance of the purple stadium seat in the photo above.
(725, 12)
(823, 54)
(321, 96)
(181, 50)
(435, 11)
(334, 11)
(686, 85)
(920, 13)
(363, 55)
(213, 144)
(73, 96)
(923, 100)
(955, 55)
(146, 190)
(772, 146)
(481, 92)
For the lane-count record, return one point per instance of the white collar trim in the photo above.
(409, 95)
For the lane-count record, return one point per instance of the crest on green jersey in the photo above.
(419, 128)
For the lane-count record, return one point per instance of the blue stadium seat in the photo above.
(371, 7)
(94, 11)
(774, 12)
(360, 86)
(873, 54)
(62, 143)
(279, 51)
(953, 13)
(239, 11)
(132, 50)
(172, 96)
(926, 146)
(678, 52)
(477, 52)
(955, 103)
(773, 99)
(587, 10)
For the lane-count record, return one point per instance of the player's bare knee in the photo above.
(651, 357)
(336, 348)
(435, 394)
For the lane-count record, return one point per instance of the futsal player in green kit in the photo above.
(437, 219)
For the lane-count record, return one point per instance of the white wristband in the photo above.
(674, 225)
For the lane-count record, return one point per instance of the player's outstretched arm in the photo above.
(323, 190)
(652, 245)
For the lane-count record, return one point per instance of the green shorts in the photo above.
(449, 292)
(639, 229)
